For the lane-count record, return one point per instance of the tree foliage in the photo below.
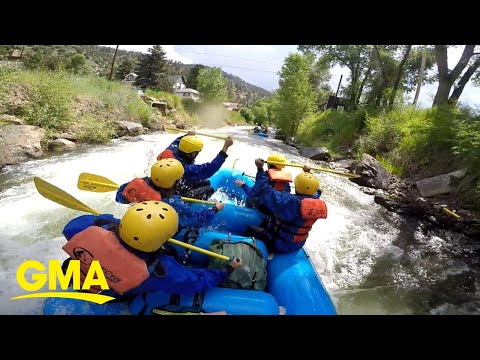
(212, 85)
(296, 97)
(153, 69)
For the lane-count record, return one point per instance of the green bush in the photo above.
(190, 106)
(94, 130)
(331, 129)
(50, 102)
(427, 142)
(235, 118)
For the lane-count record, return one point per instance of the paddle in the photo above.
(97, 183)
(349, 175)
(55, 194)
(197, 133)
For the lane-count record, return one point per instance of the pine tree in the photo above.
(127, 66)
(153, 69)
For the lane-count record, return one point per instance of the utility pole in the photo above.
(113, 63)
(420, 76)
(338, 88)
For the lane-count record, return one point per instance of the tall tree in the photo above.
(192, 76)
(127, 65)
(355, 57)
(212, 85)
(446, 77)
(458, 88)
(296, 97)
(153, 69)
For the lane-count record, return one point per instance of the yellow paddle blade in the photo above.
(349, 175)
(200, 250)
(95, 183)
(51, 192)
(197, 133)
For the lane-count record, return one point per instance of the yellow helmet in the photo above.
(189, 144)
(306, 184)
(147, 225)
(165, 172)
(277, 158)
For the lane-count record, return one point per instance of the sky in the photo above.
(259, 65)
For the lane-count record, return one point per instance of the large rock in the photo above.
(316, 153)
(68, 136)
(11, 120)
(61, 145)
(20, 143)
(372, 173)
(129, 128)
(441, 184)
(291, 141)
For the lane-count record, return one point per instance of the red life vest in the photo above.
(279, 177)
(138, 190)
(122, 269)
(166, 154)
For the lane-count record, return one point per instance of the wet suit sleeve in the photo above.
(187, 216)
(199, 172)
(119, 197)
(280, 203)
(174, 145)
(181, 279)
(247, 189)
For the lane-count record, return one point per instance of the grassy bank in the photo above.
(89, 106)
(408, 142)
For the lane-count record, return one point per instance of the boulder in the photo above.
(20, 143)
(441, 184)
(61, 145)
(316, 153)
(372, 173)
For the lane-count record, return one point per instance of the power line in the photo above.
(239, 67)
(231, 56)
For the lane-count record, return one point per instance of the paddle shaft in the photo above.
(198, 133)
(317, 169)
(55, 194)
(92, 184)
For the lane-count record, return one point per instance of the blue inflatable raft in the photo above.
(293, 285)
(293, 288)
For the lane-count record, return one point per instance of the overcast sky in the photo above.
(259, 65)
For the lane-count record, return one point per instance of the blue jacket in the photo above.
(195, 172)
(186, 215)
(174, 277)
(248, 189)
(285, 219)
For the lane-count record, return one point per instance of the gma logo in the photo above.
(94, 277)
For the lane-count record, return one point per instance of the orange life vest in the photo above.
(138, 190)
(279, 177)
(122, 269)
(166, 154)
(311, 210)
(297, 230)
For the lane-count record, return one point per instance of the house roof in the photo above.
(176, 77)
(15, 53)
(187, 91)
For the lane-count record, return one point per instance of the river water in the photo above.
(370, 260)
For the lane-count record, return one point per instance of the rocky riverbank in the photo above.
(431, 200)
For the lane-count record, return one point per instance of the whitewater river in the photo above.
(370, 260)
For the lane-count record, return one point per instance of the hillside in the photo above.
(100, 60)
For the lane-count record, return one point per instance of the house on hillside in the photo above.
(187, 93)
(231, 106)
(14, 55)
(179, 81)
(130, 78)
